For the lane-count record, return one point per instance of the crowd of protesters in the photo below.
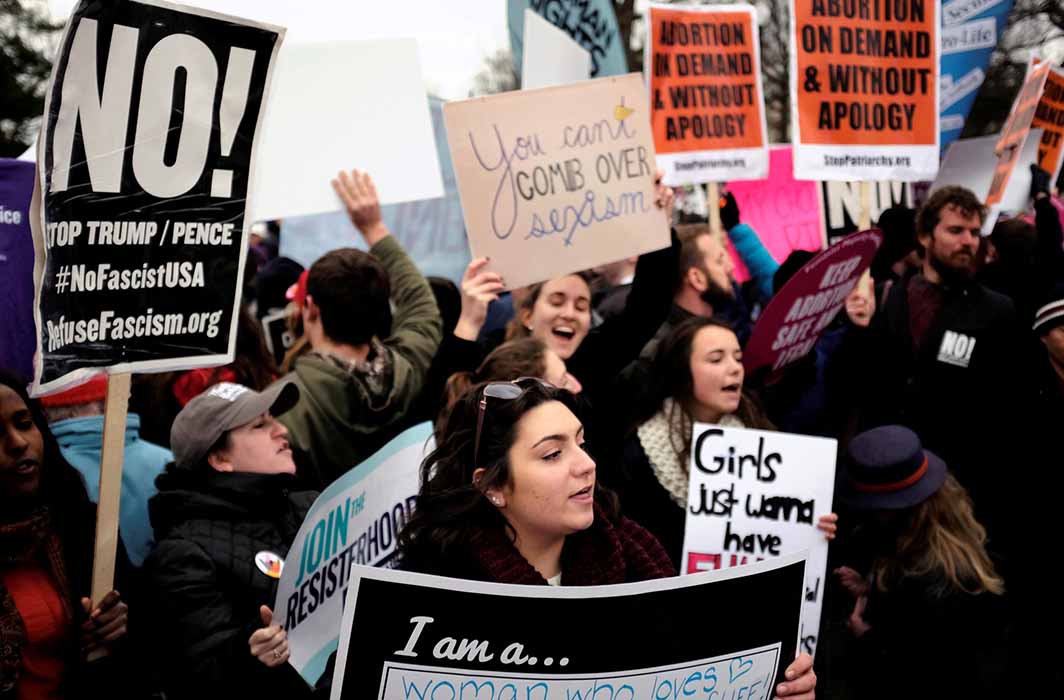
(563, 416)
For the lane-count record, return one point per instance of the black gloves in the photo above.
(729, 212)
(1040, 182)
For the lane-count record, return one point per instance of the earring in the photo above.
(497, 501)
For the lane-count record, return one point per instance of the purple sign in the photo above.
(17, 335)
(799, 313)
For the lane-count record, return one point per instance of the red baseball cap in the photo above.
(298, 291)
(93, 390)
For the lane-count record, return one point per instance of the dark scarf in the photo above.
(604, 553)
(32, 540)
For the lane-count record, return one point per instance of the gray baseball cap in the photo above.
(218, 410)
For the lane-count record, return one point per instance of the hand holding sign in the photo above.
(269, 644)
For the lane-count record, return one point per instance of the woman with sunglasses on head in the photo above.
(510, 496)
(48, 626)
(698, 374)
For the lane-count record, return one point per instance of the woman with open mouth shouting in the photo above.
(510, 496)
(48, 627)
(698, 373)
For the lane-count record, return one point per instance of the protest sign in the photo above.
(707, 104)
(431, 231)
(970, 163)
(797, 315)
(591, 23)
(970, 32)
(548, 192)
(144, 171)
(723, 634)
(864, 89)
(1049, 117)
(355, 521)
(17, 330)
(277, 335)
(756, 494)
(551, 56)
(783, 211)
(1015, 132)
(324, 117)
(841, 204)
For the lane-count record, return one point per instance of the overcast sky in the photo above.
(454, 36)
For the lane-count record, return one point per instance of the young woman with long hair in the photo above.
(510, 496)
(697, 377)
(928, 597)
(48, 626)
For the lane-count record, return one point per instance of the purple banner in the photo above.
(17, 334)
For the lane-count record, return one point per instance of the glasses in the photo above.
(507, 391)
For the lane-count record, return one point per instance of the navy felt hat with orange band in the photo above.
(889, 468)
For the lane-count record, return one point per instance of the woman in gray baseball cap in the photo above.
(224, 518)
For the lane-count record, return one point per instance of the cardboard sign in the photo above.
(590, 23)
(1010, 141)
(864, 89)
(146, 153)
(756, 494)
(841, 203)
(970, 32)
(1049, 116)
(324, 117)
(356, 521)
(707, 105)
(783, 211)
(547, 192)
(551, 56)
(724, 634)
(18, 335)
(797, 315)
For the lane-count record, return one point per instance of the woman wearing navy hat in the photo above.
(928, 600)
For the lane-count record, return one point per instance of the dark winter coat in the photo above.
(206, 586)
(953, 393)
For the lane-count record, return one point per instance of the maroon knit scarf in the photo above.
(605, 553)
(33, 539)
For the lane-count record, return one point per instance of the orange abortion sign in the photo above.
(707, 105)
(1049, 117)
(1016, 129)
(864, 89)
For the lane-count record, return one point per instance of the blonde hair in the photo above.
(945, 539)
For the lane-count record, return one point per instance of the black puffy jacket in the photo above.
(205, 586)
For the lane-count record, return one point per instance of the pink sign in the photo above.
(783, 211)
(807, 304)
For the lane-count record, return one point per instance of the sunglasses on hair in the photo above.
(506, 391)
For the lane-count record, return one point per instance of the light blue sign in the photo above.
(431, 231)
(970, 31)
(591, 23)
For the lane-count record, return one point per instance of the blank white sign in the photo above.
(340, 105)
(551, 57)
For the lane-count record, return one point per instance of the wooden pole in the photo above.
(114, 438)
(865, 221)
(714, 210)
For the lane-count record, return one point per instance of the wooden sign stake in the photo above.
(114, 438)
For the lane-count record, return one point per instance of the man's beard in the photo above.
(951, 274)
(717, 296)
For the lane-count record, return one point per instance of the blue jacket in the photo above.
(81, 442)
(759, 262)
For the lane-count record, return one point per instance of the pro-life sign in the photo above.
(147, 146)
(756, 494)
